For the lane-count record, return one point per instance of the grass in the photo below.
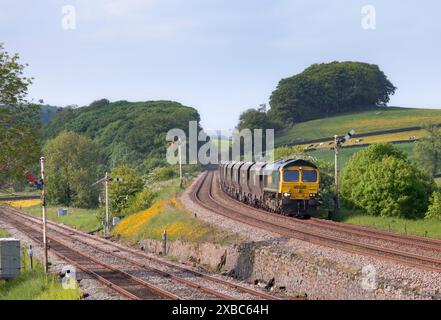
(3, 233)
(83, 219)
(383, 138)
(11, 193)
(347, 153)
(419, 227)
(364, 122)
(34, 284)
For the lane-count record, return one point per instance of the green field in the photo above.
(376, 120)
(83, 219)
(346, 153)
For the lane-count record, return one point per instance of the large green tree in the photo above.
(254, 119)
(328, 89)
(427, 151)
(382, 181)
(72, 163)
(19, 120)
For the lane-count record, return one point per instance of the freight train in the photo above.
(288, 187)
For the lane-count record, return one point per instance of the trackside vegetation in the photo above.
(382, 181)
(35, 284)
(167, 213)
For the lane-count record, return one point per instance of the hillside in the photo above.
(47, 112)
(369, 121)
(128, 132)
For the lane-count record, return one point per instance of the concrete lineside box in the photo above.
(9, 258)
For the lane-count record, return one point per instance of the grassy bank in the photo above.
(363, 122)
(34, 284)
(167, 213)
(419, 227)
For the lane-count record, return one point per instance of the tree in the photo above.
(382, 181)
(19, 120)
(427, 151)
(434, 211)
(121, 194)
(72, 167)
(254, 119)
(329, 89)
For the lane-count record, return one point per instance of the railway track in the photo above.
(417, 252)
(212, 287)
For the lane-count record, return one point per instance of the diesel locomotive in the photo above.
(288, 187)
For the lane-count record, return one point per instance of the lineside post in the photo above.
(180, 163)
(336, 144)
(43, 209)
(106, 182)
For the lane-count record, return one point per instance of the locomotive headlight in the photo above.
(312, 194)
(287, 195)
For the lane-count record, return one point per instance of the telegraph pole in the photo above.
(336, 145)
(43, 209)
(337, 142)
(180, 163)
(106, 182)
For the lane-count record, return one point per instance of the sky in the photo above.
(220, 57)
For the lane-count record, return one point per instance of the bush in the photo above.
(121, 193)
(434, 210)
(382, 181)
(142, 200)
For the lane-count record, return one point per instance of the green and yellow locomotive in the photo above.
(289, 187)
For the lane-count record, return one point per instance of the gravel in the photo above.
(326, 273)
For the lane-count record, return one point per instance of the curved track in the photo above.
(417, 252)
(212, 287)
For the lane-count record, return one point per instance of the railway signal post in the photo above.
(336, 145)
(338, 141)
(106, 182)
(43, 209)
(180, 163)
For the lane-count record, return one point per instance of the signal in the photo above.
(34, 182)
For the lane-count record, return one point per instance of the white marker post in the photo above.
(43, 209)
(180, 163)
(106, 182)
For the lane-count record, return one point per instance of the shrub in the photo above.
(434, 210)
(122, 192)
(142, 200)
(382, 181)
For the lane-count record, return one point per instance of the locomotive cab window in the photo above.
(309, 176)
(291, 175)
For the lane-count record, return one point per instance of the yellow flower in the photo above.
(21, 203)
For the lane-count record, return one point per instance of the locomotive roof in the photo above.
(279, 164)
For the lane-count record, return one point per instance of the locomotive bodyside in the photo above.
(288, 187)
